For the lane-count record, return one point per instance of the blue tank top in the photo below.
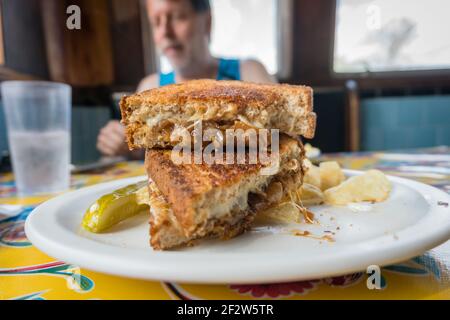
(228, 70)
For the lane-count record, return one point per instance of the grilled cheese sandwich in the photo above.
(150, 117)
(190, 201)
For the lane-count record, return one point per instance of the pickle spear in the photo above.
(114, 207)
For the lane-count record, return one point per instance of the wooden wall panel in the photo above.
(23, 39)
(2, 51)
(312, 40)
(79, 57)
(127, 42)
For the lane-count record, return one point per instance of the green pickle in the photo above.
(115, 207)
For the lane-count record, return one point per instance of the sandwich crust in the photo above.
(200, 193)
(167, 233)
(149, 117)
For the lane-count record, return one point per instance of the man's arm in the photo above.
(111, 139)
(254, 71)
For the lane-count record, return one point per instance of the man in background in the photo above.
(181, 32)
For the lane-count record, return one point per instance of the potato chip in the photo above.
(370, 186)
(311, 195)
(331, 174)
(285, 212)
(312, 175)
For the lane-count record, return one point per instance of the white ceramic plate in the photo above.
(410, 222)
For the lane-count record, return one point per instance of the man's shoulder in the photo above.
(149, 82)
(251, 63)
(254, 71)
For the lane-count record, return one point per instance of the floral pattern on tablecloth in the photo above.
(28, 274)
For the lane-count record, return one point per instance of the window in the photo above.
(243, 29)
(391, 35)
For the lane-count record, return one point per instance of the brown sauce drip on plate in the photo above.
(308, 234)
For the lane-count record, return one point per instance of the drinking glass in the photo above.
(38, 116)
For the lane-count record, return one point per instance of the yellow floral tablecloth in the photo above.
(28, 274)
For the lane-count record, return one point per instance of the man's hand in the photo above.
(111, 140)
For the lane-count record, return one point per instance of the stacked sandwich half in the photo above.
(191, 200)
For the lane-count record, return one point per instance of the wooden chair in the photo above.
(352, 119)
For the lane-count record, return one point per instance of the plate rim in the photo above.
(100, 259)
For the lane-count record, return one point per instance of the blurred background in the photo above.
(380, 69)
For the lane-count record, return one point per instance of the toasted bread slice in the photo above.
(192, 201)
(166, 232)
(152, 116)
